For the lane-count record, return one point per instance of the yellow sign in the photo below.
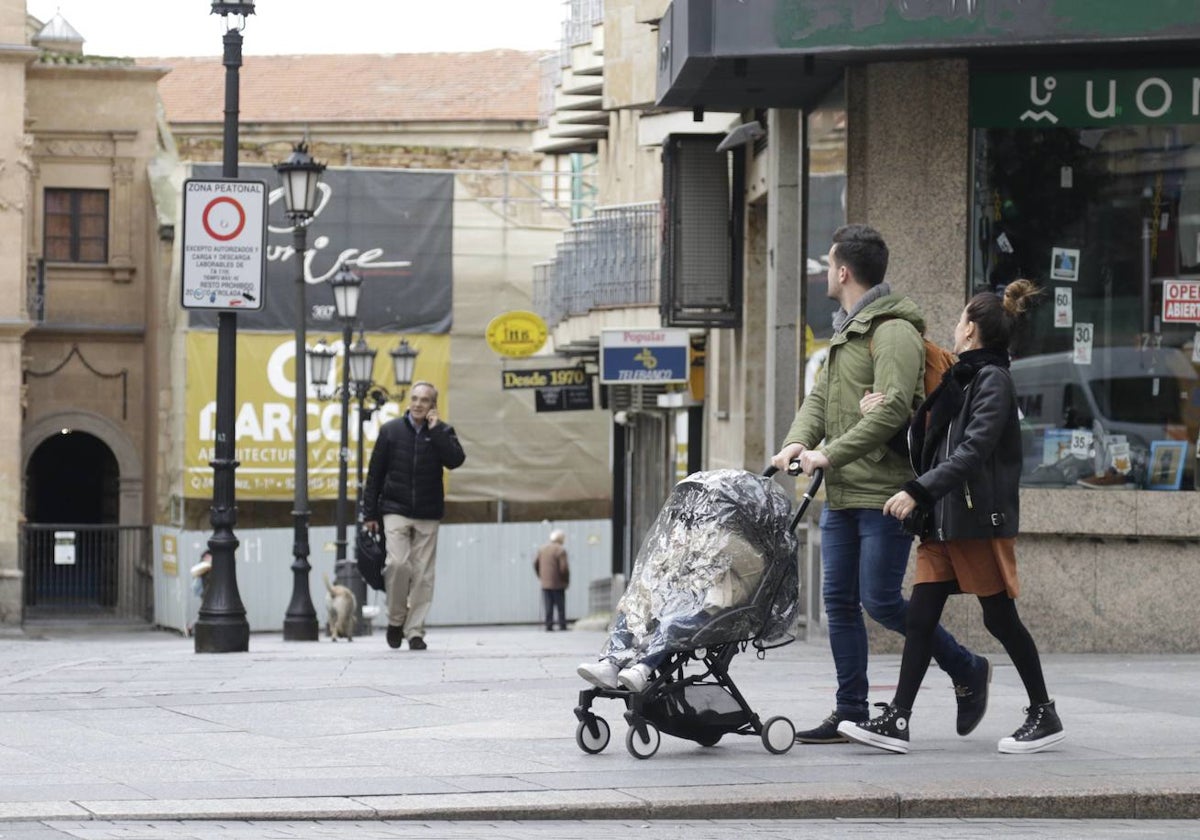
(264, 442)
(516, 334)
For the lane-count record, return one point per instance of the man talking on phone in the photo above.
(404, 491)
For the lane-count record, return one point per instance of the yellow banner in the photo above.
(266, 401)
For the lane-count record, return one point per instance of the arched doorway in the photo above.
(78, 561)
(72, 478)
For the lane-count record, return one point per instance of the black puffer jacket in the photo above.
(405, 475)
(965, 445)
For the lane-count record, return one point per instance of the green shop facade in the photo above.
(988, 140)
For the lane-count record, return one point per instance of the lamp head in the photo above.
(404, 362)
(320, 363)
(234, 12)
(362, 364)
(300, 175)
(346, 287)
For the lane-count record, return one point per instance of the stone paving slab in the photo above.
(136, 726)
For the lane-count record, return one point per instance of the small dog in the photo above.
(343, 610)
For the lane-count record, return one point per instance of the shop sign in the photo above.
(543, 378)
(642, 357)
(1181, 302)
(572, 398)
(1085, 99)
(517, 334)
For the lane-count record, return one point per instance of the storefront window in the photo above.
(1089, 184)
(825, 135)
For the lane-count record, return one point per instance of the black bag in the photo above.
(371, 556)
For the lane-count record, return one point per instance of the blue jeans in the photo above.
(863, 557)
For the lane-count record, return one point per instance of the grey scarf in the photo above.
(842, 317)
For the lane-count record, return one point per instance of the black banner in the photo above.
(393, 228)
(575, 398)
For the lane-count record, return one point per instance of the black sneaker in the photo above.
(973, 697)
(825, 733)
(888, 732)
(417, 643)
(1041, 729)
(395, 636)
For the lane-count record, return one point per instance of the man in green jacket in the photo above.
(876, 346)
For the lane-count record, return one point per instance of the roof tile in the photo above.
(492, 85)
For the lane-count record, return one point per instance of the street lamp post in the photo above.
(221, 626)
(346, 288)
(300, 174)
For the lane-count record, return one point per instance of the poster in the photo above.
(1064, 264)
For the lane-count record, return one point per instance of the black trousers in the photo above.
(555, 599)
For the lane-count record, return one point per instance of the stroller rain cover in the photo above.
(717, 566)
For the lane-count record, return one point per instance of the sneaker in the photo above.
(888, 732)
(973, 696)
(635, 678)
(825, 733)
(1111, 480)
(417, 643)
(1041, 729)
(395, 636)
(602, 674)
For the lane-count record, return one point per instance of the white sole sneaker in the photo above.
(599, 674)
(1011, 746)
(872, 739)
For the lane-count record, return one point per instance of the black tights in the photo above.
(999, 617)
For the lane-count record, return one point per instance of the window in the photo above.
(1088, 183)
(76, 226)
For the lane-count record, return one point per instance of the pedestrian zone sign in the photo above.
(224, 244)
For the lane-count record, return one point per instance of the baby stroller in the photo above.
(716, 572)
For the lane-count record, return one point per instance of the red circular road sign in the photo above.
(218, 217)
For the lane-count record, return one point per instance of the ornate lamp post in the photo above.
(222, 626)
(346, 288)
(300, 174)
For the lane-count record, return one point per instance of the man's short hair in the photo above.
(862, 250)
(558, 536)
(428, 385)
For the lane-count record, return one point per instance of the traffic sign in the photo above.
(224, 244)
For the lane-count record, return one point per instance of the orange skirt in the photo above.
(981, 567)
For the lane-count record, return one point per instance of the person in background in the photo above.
(404, 490)
(551, 566)
(965, 446)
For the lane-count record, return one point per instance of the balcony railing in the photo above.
(609, 260)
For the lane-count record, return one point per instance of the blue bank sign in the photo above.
(644, 357)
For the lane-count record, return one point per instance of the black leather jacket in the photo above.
(968, 474)
(405, 475)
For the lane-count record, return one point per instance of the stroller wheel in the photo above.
(778, 735)
(639, 747)
(591, 741)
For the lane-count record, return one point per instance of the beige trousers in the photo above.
(408, 574)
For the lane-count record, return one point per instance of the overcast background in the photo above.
(283, 27)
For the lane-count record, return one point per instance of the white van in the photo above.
(1146, 395)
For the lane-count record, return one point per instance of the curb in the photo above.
(724, 803)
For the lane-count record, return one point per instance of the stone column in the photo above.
(14, 320)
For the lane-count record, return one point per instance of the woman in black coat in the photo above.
(965, 446)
